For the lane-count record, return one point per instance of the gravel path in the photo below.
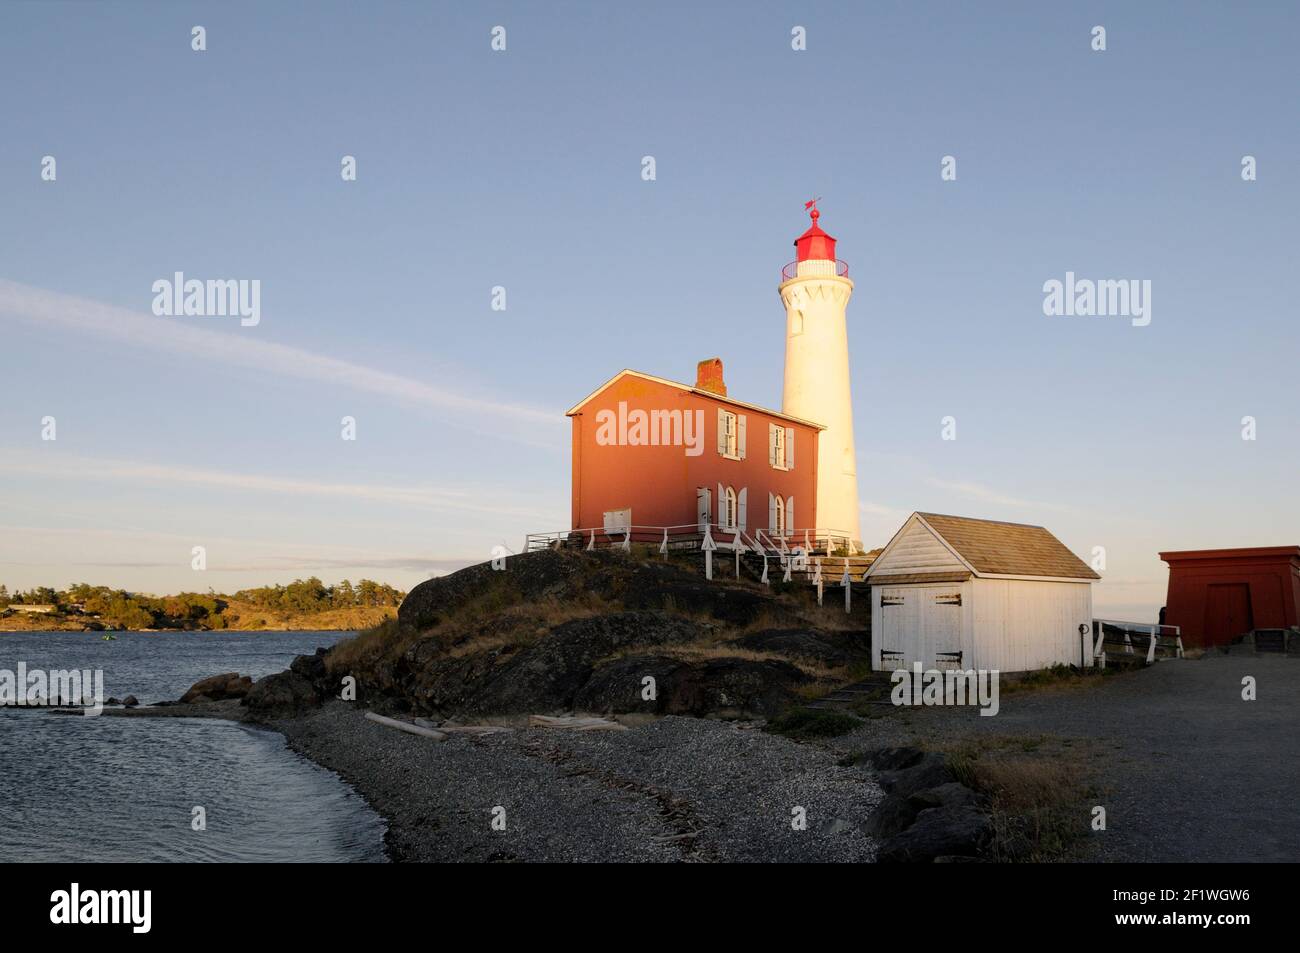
(1188, 770)
(676, 789)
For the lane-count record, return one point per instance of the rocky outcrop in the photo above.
(531, 577)
(597, 663)
(218, 688)
(570, 630)
(570, 575)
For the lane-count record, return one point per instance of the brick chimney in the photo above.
(708, 376)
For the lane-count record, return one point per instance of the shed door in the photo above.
(920, 624)
(943, 628)
(1227, 612)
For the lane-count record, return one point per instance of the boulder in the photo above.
(895, 759)
(218, 688)
(892, 815)
(929, 771)
(938, 832)
(951, 794)
(284, 693)
(130, 701)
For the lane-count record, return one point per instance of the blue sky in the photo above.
(522, 169)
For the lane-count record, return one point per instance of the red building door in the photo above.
(1227, 612)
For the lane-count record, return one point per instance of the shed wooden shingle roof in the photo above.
(1008, 549)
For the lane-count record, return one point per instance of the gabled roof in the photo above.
(993, 548)
(693, 390)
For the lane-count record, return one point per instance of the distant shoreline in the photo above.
(197, 631)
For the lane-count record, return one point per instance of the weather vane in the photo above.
(812, 204)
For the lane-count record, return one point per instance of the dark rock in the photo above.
(892, 815)
(130, 701)
(951, 794)
(313, 669)
(930, 771)
(727, 686)
(895, 759)
(938, 832)
(282, 693)
(801, 643)
(310, 667)
(112, 701)
(657, 586)
(218, 688)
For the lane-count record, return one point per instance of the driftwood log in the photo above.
(574, 723)
(407, 727)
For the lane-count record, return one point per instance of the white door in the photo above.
(919, 625)
(942, 623)
(618, 521)
(703, 509)
(898, 628)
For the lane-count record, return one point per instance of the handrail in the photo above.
(1129, 629)
(792, 270)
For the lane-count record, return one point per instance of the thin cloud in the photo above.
(53, 309)
(985, 494)
(419, 497)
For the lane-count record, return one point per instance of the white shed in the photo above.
(978, 594)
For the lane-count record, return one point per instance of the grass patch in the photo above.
(1038, 797)
(1058, 676)
(802, 723)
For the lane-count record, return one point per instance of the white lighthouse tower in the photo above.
(815, 290)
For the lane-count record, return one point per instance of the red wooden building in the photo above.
(652, 453)
(1216, 595)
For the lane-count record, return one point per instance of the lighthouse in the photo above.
(815, 289)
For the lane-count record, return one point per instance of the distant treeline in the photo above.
(193, 609)
(312, 595)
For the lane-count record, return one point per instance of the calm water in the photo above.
(118, 789)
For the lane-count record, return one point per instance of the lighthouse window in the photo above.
(729, 510)
(778, 516)
(796, 322)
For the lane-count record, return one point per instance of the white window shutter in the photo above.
(740, 436)
(771, 446)
(722, 506)
(740, 507)
(790, 524)
(722, 432)
(789, 448)
(771, 511)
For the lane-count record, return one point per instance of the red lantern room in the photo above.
(814, 244)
